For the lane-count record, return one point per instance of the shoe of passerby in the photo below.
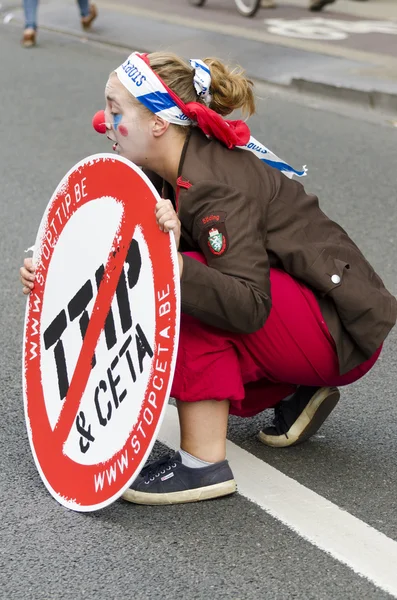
(86, 21)
(268, 4)
(169, 481)
(298, 417)
(29, 38)
(317, 5)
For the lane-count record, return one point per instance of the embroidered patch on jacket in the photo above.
(212, 233)
(212, 218)
(217, 241)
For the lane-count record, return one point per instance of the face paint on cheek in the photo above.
(116, 121)
(123, 130)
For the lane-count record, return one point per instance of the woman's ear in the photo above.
(159, 126)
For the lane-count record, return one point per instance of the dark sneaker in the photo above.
(168, 481)
(297, 418)
(318, 5)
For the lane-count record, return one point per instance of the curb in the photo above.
(376, 100)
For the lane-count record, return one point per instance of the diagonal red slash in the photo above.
(100, 311)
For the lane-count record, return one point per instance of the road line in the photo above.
(368, 552)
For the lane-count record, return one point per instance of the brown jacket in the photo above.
(246, 217)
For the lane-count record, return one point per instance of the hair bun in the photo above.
(230, 89)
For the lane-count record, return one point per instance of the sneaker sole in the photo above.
(196, 495)
(308, 422)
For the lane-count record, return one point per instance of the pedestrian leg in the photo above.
(29, 35)
(88, 12)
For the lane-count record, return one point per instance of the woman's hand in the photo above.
(167, 219)
(27, 275)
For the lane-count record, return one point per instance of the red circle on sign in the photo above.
(86, 487)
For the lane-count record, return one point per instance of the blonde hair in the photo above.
(230, 89)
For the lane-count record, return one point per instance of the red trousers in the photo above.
(257, 370)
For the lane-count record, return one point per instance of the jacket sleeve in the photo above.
(232, 291)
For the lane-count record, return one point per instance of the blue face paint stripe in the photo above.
(116, 121)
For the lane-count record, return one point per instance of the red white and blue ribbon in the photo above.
(147, 87)
(202, 80)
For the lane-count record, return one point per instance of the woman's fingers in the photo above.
(27, 276)
(171, 225)
(167, 219)
(27, 284)
(165, 213)
(28, 264)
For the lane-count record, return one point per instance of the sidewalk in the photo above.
(358, 63)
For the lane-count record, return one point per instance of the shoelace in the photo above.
(157, 468)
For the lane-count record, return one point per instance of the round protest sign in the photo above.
(101, 332)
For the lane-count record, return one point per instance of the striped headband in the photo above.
(151, 91)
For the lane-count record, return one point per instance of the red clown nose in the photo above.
(98, 122)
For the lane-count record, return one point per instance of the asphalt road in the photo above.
(224, 12)
(222, 549)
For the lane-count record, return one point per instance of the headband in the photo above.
(146, 86)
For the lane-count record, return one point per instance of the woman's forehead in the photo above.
(114, 90)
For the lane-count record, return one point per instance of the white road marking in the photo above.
(327, 29)
(365, 550)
